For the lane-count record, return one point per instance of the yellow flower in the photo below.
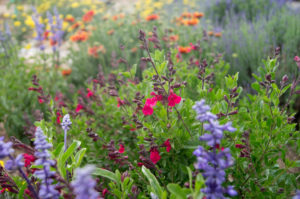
(13, 16)
(1, 163)
(17, 23)
(20, 7)
(234, 55)
(75, 5)
(65, 25)
(29, 22)
(28, 46)
(158, 5)
(23, 29)
(6, 15)
(24, 14)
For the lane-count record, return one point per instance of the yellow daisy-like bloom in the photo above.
(1, 163)
(27, 47)
(65, 25)
(158, 5)
(13, 16)
(20, 7)
(24, 14)
(75, 5)
(17, 23)
(6, 15)
(29, 22)
(23, 29)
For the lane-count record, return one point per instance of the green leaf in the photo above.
(78, 157)
(177, 191)
(106, 174)
(21, 191)
(153, 181)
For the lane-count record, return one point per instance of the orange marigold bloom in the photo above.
(186, 14)
(111, 32)
(70, 19)
(87, 17)
(198, 15)
(93, 51)
(192, 22)
(75, 25)
(115, 18)
(52, 42)
(174, 38)
(218, 34)
(210, 33)
(80, 36)
(152, 17)
(184, 49)
(66, 72)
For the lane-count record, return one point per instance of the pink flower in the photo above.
(193, 47)
(90, 93)
(154, 155)
(104, 192)
(151, 101)
(41, 101)
(297, 59)
(120, 102)
(167, 145)
(78, 108)
(121, 149)
(147, 110)
(158, 97)
(173, 99)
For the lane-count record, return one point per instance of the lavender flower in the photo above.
(213, 162)
(56, 29)
(47, 190)
(5, 148)
(39, 27)
(65, 125)
(84, 184)
(14, 164)
(297, 196)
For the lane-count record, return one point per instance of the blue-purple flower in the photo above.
(47, 190)
(65, 125)
(84, 184)
(297, 196)
(5, 148)
(14, 164)
(40, 29)
(213, 162)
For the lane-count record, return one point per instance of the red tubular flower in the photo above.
(58, 117)
(120, 102)
(78, 108)
(147, 110)
(154, 155)
(90, 93)
(41, 101)
(239, 146)
(151, 101)
(28, 159)
(121, 149)
(167, 145)
(173, 99)
(104, 192)
(158, 97)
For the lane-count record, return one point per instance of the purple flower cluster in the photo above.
(5, 148)
(56, 29)
(297, 196)
(213, 162)
(65, 125)
(40, 29)
(84, 184)
(47, 190)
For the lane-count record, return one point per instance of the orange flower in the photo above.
(66, 72)
(70, 19)
(93, 51)
(87, 17)
(52, 42)
(210, 33)
(218, 34)
(186, 14)
(193, 22)
(184, 49)
(75, 25)
(133, 50)
(115, 18)
(198, 15)
(174, 38)
(80, 36)
(111, 32)
(46, 34)
(152, 17)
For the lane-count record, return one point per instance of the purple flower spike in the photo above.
(5, 148)
(47, 190)
(84, 184)
(14, 164)
(297, 196)
(65, 125)
(213, 162)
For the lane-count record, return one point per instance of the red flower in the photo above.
(140, 164)
(41, 101)
(78, 108)
(218, 147)
(147, 110)
(167, 145)
(58, 117)
(28, 159)
(120, 102)
(173, 99)
(121, 149)
(158, 97)
(87, 17)
(154, 155)
(151, 101)
(193, 47)
(90, 93)
(104, 192)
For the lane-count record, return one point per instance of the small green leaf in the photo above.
(153, 181)
(105, 173)
(177, 191)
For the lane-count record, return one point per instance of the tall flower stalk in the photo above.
(47, 190)
(65, 125)
(213, 162)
